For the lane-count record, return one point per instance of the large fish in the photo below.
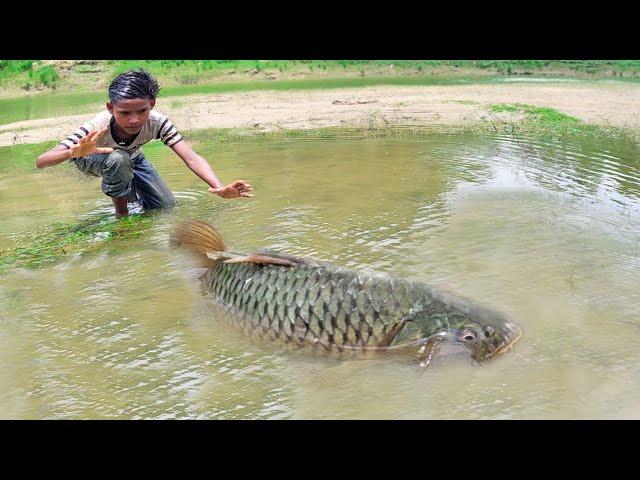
(306, 302)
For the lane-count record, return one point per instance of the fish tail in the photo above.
(201, 239)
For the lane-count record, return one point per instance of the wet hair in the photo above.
(136, 83)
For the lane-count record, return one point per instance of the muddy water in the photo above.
(546, 231)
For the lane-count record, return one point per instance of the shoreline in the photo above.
(607, 105)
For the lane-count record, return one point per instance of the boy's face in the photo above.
(131, 114)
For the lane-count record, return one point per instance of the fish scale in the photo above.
(310, 305)
(312, 296)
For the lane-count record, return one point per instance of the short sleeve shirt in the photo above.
(157, 126)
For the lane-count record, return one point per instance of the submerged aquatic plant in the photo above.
(61, 239)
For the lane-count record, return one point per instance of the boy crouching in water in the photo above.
(108, 146)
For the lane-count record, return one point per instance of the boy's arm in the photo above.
(56, 155)
(85, 146)
(202, 169)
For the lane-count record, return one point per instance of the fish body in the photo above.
(316, 303)
(306, 302)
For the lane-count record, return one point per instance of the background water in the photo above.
(546, 231)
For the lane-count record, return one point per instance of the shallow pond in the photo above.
(545, 231)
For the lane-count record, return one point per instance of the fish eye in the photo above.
(488, 331)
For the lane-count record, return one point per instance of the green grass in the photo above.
(29, 73)
(12, 68)
(61, 239)
(543, 122)
(543, 115)
(47, 76)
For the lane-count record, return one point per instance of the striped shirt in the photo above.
(157, 126)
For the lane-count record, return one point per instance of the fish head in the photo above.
(486, 333)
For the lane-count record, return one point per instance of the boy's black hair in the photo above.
(136, 83)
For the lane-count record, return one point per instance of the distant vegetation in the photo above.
(41, 74)
(607, 67)
(31, 73)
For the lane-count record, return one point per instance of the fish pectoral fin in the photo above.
(426, 353)
(391, 334)
(429, 349)
(261, 259)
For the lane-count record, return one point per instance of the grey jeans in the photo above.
(123, 176)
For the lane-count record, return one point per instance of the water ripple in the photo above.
(545, 230)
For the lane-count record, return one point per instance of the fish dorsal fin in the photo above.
(263, 259)
(285, 256)
(200, 238)
(203, 240)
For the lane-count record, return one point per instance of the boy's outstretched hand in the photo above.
(87, 145)
(239, 188)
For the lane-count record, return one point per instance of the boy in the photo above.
(108, 146)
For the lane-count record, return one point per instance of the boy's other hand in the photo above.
(239, 188)
(87, 145)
